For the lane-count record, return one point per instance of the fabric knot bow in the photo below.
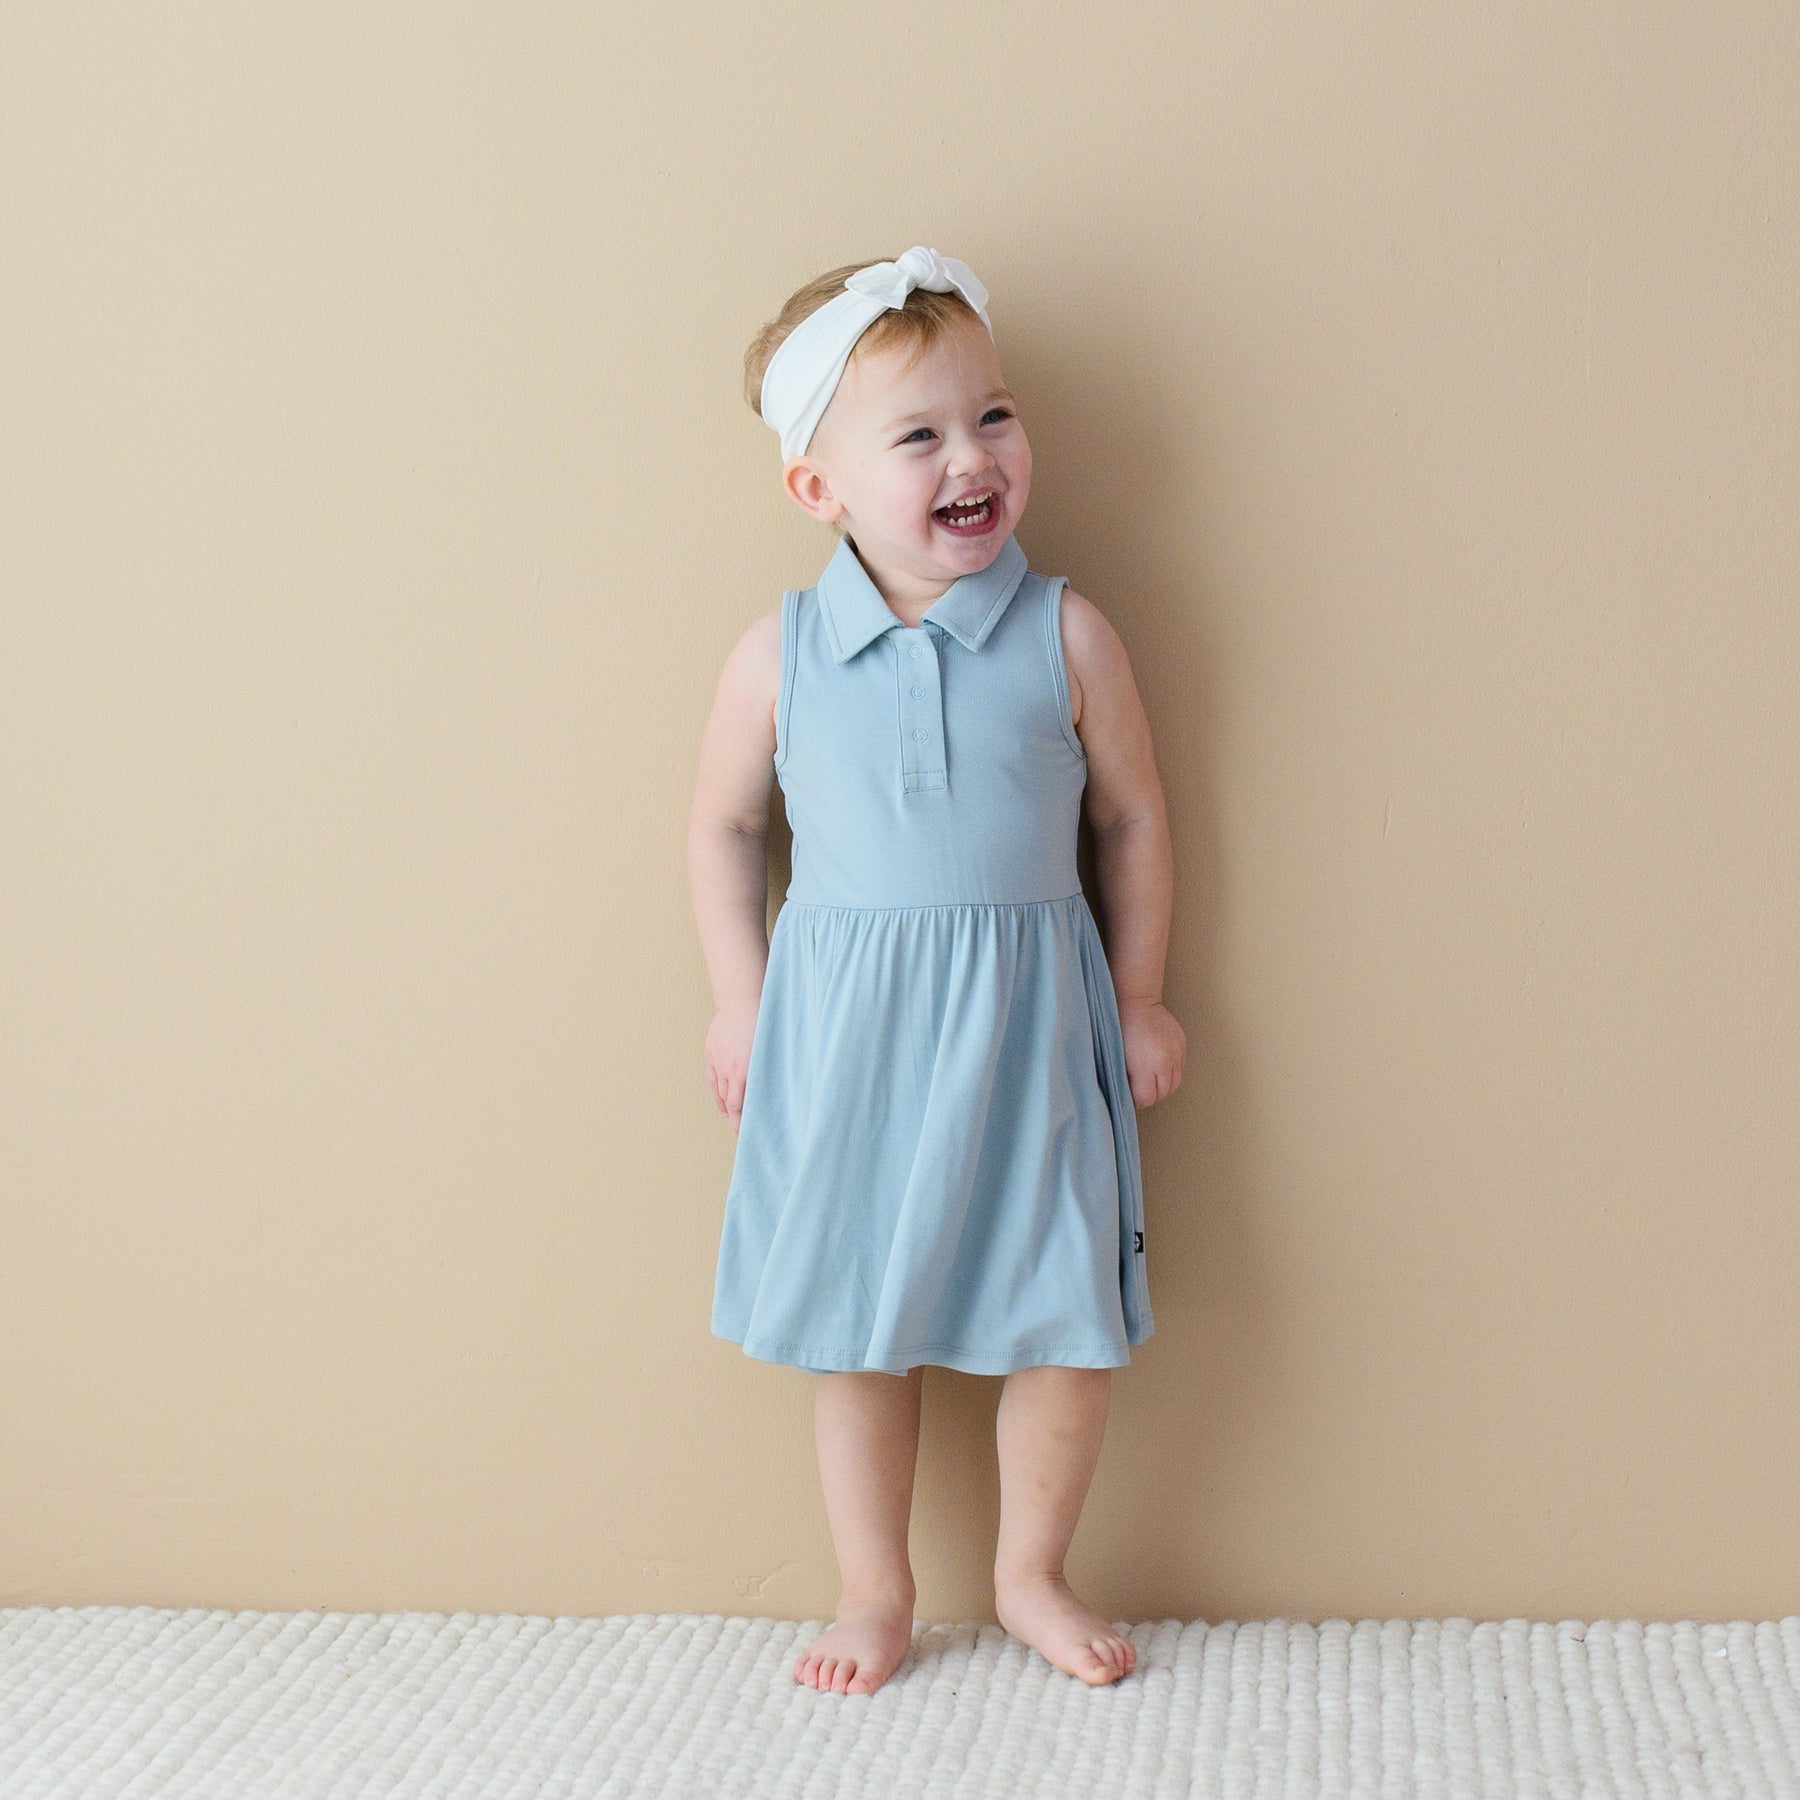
(890, 282)
(805, 370)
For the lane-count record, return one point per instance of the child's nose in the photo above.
(971, 454)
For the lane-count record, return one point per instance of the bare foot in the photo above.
(1042, 1611)
(866, 1645)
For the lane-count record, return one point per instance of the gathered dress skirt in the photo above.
(937, 1158)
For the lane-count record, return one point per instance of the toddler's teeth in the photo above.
(978, 517)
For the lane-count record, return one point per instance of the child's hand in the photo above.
(1155, 1050)
(728, 1060)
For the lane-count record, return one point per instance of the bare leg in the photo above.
(867, 1428)
(1049, 1428)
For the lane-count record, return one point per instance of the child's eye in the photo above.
(993, 412)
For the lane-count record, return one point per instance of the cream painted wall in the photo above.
(1415, 388)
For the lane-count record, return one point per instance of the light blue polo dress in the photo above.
(937, 1158)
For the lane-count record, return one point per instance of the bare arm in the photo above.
(727, 847)
(1134, 861)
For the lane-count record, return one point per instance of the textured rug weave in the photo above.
(111, 1701)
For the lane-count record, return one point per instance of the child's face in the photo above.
(897, 443)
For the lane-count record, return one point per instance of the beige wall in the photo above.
(1415, 387)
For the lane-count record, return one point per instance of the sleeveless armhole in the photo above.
(1053, 593)
(784, 699)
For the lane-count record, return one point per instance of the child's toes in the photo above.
(841, 1674)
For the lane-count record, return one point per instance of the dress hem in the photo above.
(946, 1356)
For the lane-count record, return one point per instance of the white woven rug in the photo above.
(113, 1701)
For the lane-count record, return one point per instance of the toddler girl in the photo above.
(932, 1061)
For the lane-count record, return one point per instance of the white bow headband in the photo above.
(808, 364)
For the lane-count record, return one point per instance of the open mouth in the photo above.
(969, 518)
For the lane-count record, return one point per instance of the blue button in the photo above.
(919, 737)
(918, 649)
(918, 693)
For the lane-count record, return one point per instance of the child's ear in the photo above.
(808, 488)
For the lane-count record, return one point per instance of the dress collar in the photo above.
(856, 614)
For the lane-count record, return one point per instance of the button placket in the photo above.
(918, 674)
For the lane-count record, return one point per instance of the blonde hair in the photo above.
(925, 317)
